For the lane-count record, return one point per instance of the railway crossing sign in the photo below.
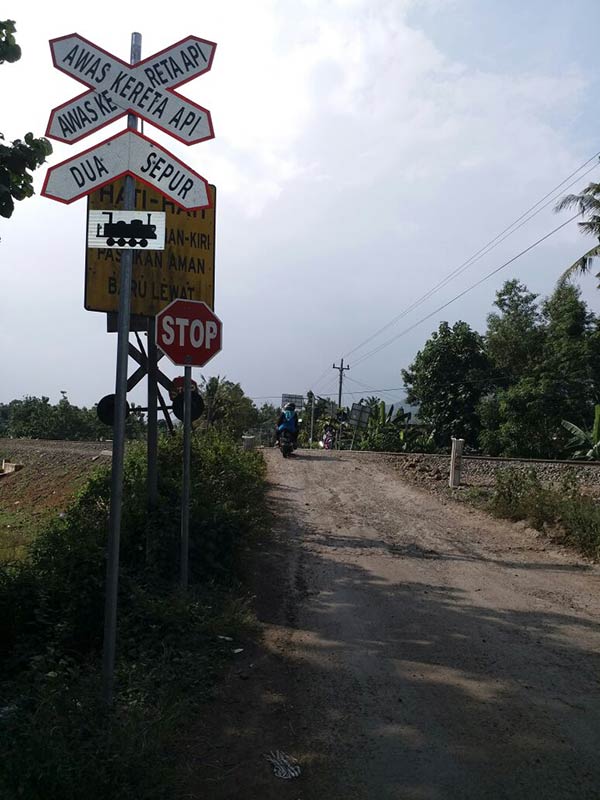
(185, 268)
(188, 333)
(296, 399)
(127, 153)
(146, 89)
(359, 415)
(126, 229)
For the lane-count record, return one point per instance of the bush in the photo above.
(520, 495)
(581, 523)
(169, 659)
(51, 627)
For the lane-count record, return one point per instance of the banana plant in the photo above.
(586, 442)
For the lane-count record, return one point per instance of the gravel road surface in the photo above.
(412, 649)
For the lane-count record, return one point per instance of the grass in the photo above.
(30, 498)
(164, 675)
(17, 529)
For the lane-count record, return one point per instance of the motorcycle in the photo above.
(328, 440)
(286, 443)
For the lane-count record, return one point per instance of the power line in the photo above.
(464, 292)
(525, 217)
(371, 388)
(509, 230)
(321, 376)
(382, 391)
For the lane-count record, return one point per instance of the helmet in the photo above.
(289, 407)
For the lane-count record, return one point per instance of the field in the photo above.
(51, 475)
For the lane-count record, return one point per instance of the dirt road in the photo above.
(412, 650)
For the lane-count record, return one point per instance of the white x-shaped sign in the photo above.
(118, 88)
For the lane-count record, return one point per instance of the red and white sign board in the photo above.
(188, 333)
(127, 153)
(146, 89)
(178, 387)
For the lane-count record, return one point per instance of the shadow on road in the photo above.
(406, 688)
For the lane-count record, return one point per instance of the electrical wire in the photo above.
(367, 388)
(464, 292)
(525, 217)
(321, 376)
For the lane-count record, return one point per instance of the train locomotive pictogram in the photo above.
(121, 233)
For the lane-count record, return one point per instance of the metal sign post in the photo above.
(152, 419)
(118, 449)
(185, 492)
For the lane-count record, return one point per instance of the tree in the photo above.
(373, 403)
(447, 380)
(267, 414)
(514, 338)
(226, 407)
(37, 418)
(21, 157)
(514, 341)
(523, 417)
(31, 418)
(566, 357)
(588, 203)
(386, 431)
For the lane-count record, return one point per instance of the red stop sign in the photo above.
(188, 332)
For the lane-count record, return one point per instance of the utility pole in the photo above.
(342, 369)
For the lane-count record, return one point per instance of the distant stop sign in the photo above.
(188, 332)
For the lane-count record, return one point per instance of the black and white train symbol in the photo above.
(121, 233)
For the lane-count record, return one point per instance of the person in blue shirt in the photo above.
(288, 419)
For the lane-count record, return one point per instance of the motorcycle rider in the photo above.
(328, 437)
(288, 419)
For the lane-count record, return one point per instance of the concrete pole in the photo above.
(456, 462)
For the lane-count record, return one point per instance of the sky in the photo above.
(364, 150)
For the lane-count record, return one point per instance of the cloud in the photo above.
(356, 162)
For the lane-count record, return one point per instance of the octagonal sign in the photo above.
(188, 333)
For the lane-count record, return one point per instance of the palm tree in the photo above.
(372, 403)
(588, 203)
(212, 391)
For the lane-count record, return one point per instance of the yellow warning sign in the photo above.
(184, 269)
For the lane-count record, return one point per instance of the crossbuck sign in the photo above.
(127, 153)
(117, 88)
